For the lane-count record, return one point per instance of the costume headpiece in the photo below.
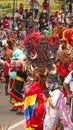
(68, 36)
(64, 57)
(41, 49)
(20, 58)
(39, 74)
(17, 53)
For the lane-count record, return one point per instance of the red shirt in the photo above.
(45, 6)
(6, 67)
(5, 23)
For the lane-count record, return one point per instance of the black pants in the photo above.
(36, 13)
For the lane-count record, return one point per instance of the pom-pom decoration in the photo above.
(41, 49)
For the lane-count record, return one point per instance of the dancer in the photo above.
(68, 86)
(17, 92)
(55, 105)
(34, 105)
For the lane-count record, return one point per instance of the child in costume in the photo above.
(17, 92)
(34, 104)
(55, 105)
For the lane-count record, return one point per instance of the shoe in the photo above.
(19, 113)
(14, 109)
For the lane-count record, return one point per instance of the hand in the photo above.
(69, 95)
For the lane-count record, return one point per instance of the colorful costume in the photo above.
(17, 91)
(34, 107)
(34, 104)
(68, 85)
(55, 106)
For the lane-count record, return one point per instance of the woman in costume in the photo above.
(34, 104)
(17, 92)
(55, 105)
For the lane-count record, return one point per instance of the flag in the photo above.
(29, 105)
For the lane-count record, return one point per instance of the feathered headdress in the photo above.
(68, 36)
(64, 57)
(39, 74)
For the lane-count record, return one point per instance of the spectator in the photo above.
(21, 8)
(36, 8)
(70, 7)
(5, 23)
(43, 21)
(31, 4)
(45, 5)
(6, 75)
(29, 24)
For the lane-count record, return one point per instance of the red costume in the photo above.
(34, 104)
(36, 118)
(62, 70)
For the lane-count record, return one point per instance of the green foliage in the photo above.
(7, 6)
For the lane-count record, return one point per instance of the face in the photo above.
(12, 66)
(18, 67)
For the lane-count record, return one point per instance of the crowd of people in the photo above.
(36, 64)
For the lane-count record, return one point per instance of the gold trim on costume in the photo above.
(19, 78)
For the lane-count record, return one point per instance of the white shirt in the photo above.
(69, 80)
(36, 5)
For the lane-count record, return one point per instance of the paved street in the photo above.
(11, 119)
(15, 122)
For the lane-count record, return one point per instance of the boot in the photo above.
(6, 91)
